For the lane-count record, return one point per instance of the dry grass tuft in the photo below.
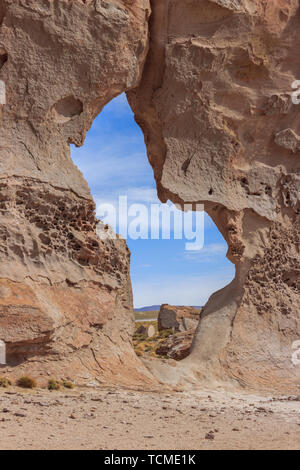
(26, 382)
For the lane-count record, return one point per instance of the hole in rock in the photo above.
(163, 272)
(3, 56)
(67, 108)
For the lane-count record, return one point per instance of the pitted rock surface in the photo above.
(217, 110)
(212, 92)
(65, 292)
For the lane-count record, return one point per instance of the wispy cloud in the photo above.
(138, 195)
(111, 167)
(209, 253)
(143, 195)
(193, 290)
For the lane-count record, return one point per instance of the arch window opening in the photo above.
(171, 280)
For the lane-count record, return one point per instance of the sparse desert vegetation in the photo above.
(67, 384)
(55, 385)
(146, 315)
(145, 346)
(174, 331)
(5, 382)
(26, 382)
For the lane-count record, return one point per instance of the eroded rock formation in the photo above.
(177, 318)
(177, 346)
(215, 104)
(214, 101)
(65, 295)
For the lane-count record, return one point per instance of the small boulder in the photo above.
(176, 346)
(151, 331)
(177, 318)
(142, 330)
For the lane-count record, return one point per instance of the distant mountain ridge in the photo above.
(149, 308)
(153, 308)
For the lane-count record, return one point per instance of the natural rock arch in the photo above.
(211, 96)
(214, 103)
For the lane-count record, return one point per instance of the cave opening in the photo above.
(165, 275)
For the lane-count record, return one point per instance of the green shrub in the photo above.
(5, 382)
(166, 333)
(67, 384)
(140, 337)
(53, 384)
(26, 382)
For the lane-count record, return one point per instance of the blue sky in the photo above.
(114, 162)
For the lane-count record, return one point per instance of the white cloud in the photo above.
(143, 195)
(194, 290)
(111, 167)
(207, 253)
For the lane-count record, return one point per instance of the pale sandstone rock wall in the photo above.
(220, 127)
(65, 295)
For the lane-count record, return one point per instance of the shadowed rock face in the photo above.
(214, 101)
(65, 295)
(220, 126)
(177, 346)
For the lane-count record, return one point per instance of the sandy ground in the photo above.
(123, 419)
